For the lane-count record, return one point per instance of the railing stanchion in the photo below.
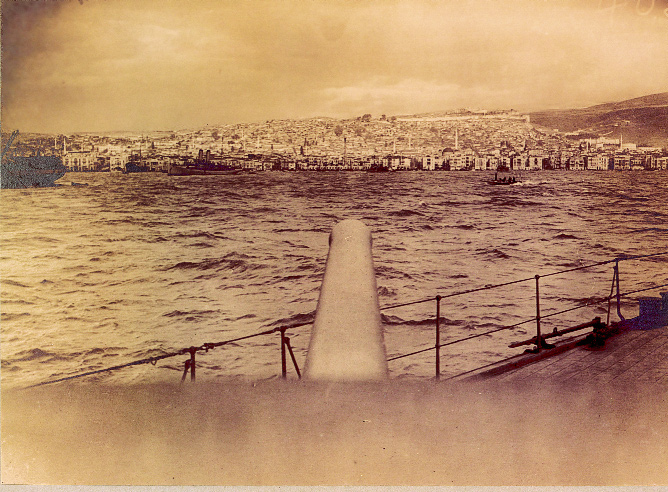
(292, 356)
(619, 296)
(284, 369)
(437, 346)
(193, 351)
(538, 340)
(612, 291)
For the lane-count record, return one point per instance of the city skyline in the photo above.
(146, 65)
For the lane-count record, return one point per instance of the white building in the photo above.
(80, 161)
(598, 162)
(462, 160)
(430, 162)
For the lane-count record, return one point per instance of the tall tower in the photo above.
(456, 138)
(345, 148)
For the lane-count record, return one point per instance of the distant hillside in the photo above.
(643, 120)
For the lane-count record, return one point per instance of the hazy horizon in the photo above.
(111, 66)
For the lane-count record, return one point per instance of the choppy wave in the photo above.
(404, 213)
(233, 261)
(397, 320)
(156, 264)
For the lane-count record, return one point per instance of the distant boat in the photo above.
(378, 169)
(200, 170)
(29, 172)
(505, 181)
(131, 167)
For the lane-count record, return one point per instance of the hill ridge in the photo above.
(643, 120)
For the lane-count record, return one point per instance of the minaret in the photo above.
(345, 148)
(621, 145)
(456, 138)
(394, 146)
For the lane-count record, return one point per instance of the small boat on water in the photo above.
(204, 165)
(504, 181)
(29, 171)
(200, 170)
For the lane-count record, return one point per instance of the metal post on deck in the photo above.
(284, 369)
(538, 340)
(612, 290)
(437, 346)
(619, 296)
(193, 351)
(292, 356)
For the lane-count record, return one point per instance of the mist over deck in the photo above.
(585, 416)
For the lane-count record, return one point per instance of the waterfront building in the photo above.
(621, 162)
(158, 164)
(431, 162)
(117, 161)
(81, 160)
(505, 163)
(536, 160)
(520, 162)
(597, 162)
(577, 163)
(482, 163)
(462, 160)
(637, 163)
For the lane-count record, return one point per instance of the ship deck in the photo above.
(578, 417)
(631, 356)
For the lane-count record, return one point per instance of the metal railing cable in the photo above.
(189, 350)
(285, 341)
(508, 327)
(512, 282)
(582, 306)
(385, 308)
(151, 360)
(437, 346)
(643, 290)
(607, 299)
(637, 257)
(575, 269)
(477, 335)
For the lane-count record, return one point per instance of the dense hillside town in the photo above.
(453, 141)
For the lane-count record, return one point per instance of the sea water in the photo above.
(133, 266)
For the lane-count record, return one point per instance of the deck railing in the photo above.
(285, 346)
(615, 293)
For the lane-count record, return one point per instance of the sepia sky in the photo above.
(106, 65)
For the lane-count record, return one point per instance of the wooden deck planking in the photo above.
(654, 366)
(640, 362)
(620, 358)
(637, 355)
